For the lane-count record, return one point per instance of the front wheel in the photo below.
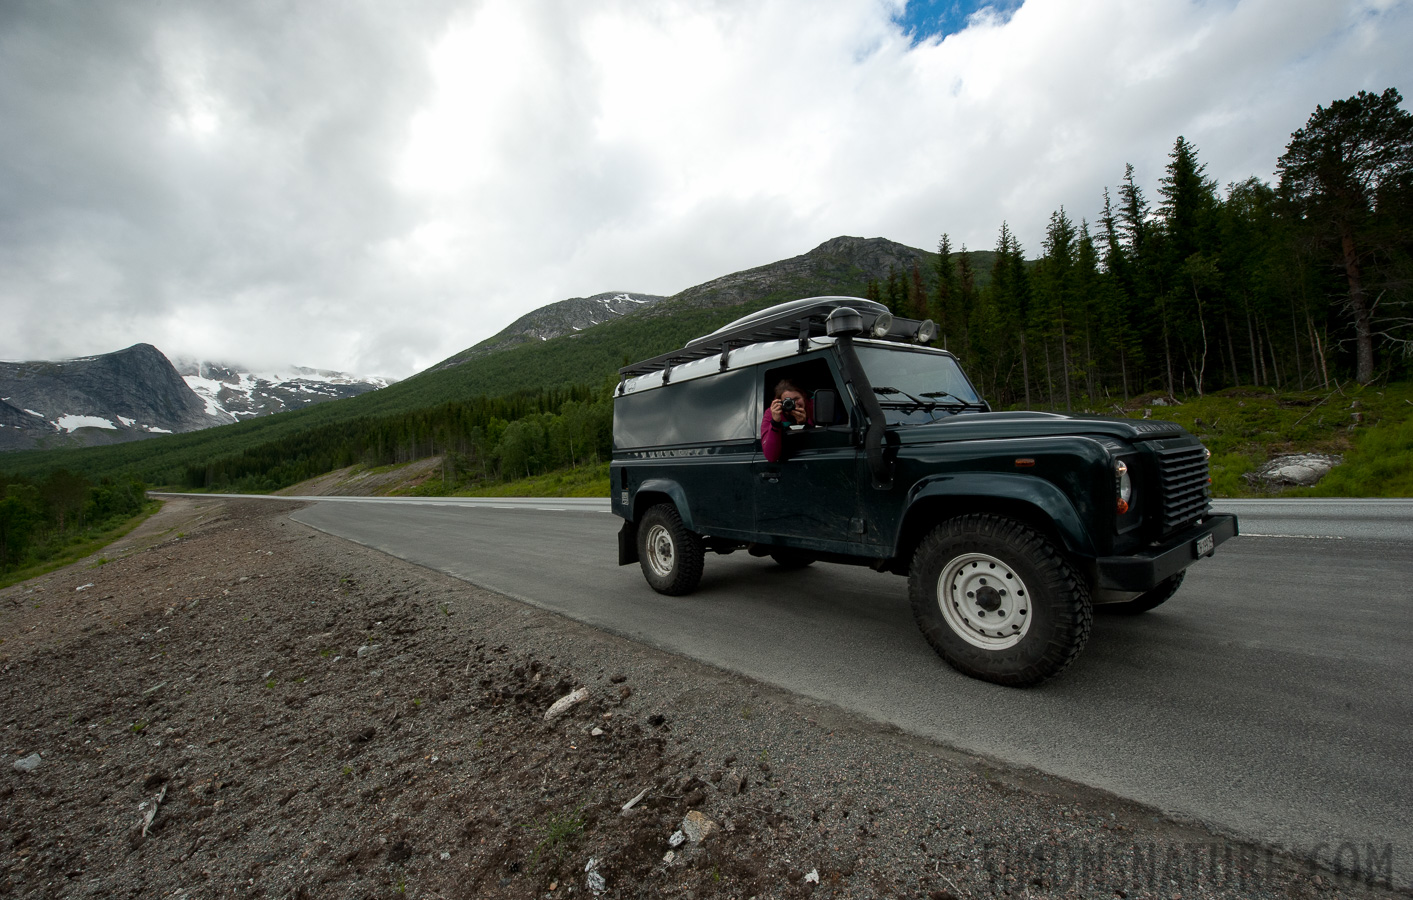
(670, 553)
(998, 601)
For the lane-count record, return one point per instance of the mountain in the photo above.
(121, 396)
(841, 265)
(827, 269)
(227, 390)
(137, 393)
(410, 418)
(560, 319)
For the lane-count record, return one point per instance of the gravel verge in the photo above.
(237, 705)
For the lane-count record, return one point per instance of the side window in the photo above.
(809, 376)
(710, 410)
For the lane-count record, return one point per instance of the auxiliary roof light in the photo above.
(926, 331)
(882, 324)
(843, 321)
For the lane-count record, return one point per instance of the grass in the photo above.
(1380, 464)
(556, 833)
(583, 481)
(1371, 427)
(87, 546)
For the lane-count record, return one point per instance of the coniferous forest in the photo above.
(40, 518)
(1290, 286)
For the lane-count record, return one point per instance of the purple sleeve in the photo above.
(770, 443)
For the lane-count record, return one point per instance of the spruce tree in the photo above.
(943, 307)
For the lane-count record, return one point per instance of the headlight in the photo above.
(1123, 485)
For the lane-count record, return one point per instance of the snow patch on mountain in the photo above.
(230, 390)
(71, 423)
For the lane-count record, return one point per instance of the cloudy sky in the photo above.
(373, 186)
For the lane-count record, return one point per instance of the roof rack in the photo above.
(801, 319)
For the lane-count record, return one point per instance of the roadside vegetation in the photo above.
(576, 481)
(1370, 427)
(49, 523)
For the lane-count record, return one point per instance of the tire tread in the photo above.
(1063, 645)
(688, 552)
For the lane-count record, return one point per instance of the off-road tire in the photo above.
(669, 552)
(790, 558)
(1148, 599)
(1017, 613)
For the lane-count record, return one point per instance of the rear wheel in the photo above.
(998, 601)
(669, 552)
(1149, 599)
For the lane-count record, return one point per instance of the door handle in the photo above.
(770, 477)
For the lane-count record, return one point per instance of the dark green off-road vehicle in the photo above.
(1010, 526)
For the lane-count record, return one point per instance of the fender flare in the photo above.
(673, 490)
(1036, 493)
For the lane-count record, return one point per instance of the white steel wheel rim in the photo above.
(662, 554)
(984, 601)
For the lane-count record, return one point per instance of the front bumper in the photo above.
(1145, 570)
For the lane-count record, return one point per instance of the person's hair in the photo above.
(784, 385)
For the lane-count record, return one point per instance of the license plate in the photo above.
(1205, 545)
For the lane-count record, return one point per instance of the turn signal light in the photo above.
(1123, 486)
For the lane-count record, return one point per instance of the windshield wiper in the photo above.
(927, 406)
(921, 404)
(960, 404)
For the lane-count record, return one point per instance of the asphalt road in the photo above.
(1272, 697)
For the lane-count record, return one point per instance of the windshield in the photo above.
(915, 385)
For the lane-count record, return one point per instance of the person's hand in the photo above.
(777, 411)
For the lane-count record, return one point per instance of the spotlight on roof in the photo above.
(882, 324)
(926, 331)
(843, 322)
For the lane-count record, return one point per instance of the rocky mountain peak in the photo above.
(565, 317)
(137, 392)
(837, 261)
(118, 396)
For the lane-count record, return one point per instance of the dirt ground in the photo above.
(236, 705)
(358, 481)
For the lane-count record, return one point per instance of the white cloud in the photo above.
(375, 188)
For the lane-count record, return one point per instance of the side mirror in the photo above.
(824, 407)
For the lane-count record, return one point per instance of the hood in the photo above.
(998, 425)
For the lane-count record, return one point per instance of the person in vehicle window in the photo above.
(788, 408)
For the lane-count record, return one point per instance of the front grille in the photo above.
(1183, 472)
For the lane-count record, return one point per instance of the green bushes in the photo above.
(38, 519)
(1379, 465)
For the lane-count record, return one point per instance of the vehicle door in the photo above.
(810, 497)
